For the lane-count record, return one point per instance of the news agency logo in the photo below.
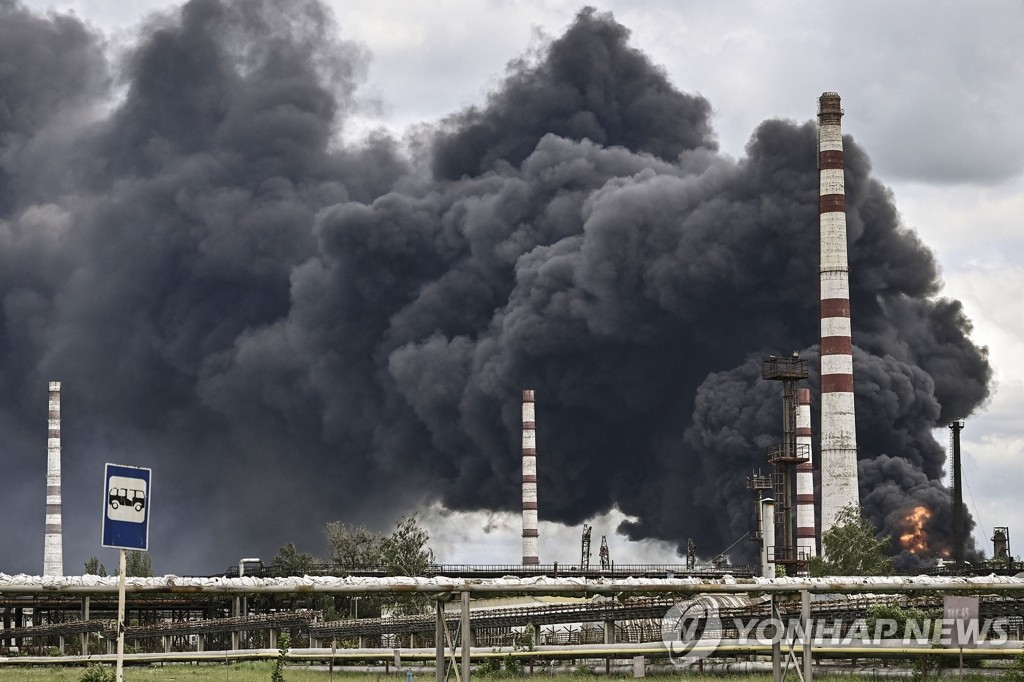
(691, 630)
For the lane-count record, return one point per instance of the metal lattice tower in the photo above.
(585, 549)
(784, 457)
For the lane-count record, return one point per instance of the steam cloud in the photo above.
(290, 330)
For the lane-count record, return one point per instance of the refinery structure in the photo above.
(616, 604)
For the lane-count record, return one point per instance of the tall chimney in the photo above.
(838, 426)
(806, 530)
(530, 532)
(53, 550)
(958, 495)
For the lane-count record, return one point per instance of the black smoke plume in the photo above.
(291, 330)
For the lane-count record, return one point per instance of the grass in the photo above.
(236, 672)
(261, 671)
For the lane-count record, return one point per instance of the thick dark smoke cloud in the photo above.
(292, 330)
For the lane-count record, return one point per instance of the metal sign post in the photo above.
(960, 614)
(127, 493)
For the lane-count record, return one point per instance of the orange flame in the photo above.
(915, 540)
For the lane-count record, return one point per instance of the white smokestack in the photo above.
(766, 519)
(806, 529)
(530, 531)
(53, 547)
(838, 425)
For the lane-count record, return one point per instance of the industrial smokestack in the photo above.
(958, 495)
(53, 548)
(806, 530)
(838, 427)
(766, 524)
(530, 532)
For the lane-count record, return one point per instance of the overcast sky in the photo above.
(932, 90)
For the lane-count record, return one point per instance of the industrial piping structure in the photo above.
(784, 457)
(53, 549)
(806, 528)
(839, 487)
(530, 532)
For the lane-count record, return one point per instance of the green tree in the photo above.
(138, 564)
(353, 546)
(851, 547)
(405, 552)
(94, 567)
(290, 561)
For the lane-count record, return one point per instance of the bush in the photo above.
(282, 652)
(1015, 671)
(492, 666)
(98, 673)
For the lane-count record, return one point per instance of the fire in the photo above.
(915, 540)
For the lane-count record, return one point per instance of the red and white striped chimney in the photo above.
(530, 532)
(838, 426)
(53, 546)
(806, 530)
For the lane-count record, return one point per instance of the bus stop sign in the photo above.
(126, 502)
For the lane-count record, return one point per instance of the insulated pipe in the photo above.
(53, 550)
(20, 584)
(806, 530)
(530, 531)
(838, 425)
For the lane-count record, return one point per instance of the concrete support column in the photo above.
(439, 627)
(167, 644)
(273, 638)
(84, 637)
(466, 637)
(805, 618)
(609, 632)
(776, 645)
(200, 643)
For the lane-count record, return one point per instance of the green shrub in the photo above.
(492, 666)
(282, 651)
(1015, 671)
(98, 673)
